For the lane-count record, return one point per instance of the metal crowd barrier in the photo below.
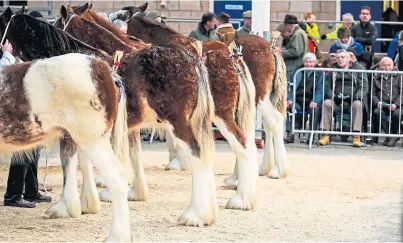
(327, 77)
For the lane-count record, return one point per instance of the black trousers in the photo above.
(299, 120)
(394, 124)
(23, 173)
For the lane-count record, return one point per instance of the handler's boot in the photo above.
(324, 140)
(356, 141)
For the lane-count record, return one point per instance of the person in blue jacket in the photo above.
(347, 42)
(308, 96)
(392, 49)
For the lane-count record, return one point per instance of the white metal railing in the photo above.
(351, 80)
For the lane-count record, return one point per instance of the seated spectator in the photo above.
(342, 89)
(392, 49)
(312, 44)
(330, 61)
(347, 20)
(309, 95)
(386, 94)
(346, 42)
(311, 27)
(121, 24)
(353, 56)
(365, 32)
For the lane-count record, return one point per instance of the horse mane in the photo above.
(152, 23)
(109, 25)
(39, 39)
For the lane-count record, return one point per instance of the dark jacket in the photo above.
(348, 84)
(390, 85)
(241, 32)
(201, 34)
(313, 86)
(365, 34)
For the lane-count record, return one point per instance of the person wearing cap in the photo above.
(296, 45)
(247, 25)
(163, 18)
(205, 30)
(225, 30)
(155, 15)
(347, 42)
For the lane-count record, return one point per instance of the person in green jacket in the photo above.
(347, 21)
(246, 28)
(205, 30)
(295, 47)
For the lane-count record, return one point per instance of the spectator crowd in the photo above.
(359, 101)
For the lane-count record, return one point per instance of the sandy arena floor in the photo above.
(333, 194)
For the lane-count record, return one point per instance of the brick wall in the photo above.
(194, 9)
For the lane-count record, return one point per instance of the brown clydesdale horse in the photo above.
(165, 85)
(233, 95)
(266, 67)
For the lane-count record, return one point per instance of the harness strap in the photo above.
(132, 16)
(5, 32)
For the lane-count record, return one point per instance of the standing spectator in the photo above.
(365, 32)
(225, 30)
(309, 95)
(399, 57)
(386, 95)
(340, 90)
(312, 44)
(205, 30)
(104, 15)
(347, 20)
(247, 25)
(23, 168)
(121, 24)
(155, 15)
(346, 42)
(296, 46)
(389, 30)
(312, 27)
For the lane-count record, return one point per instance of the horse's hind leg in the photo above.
(104, 159)
(275, 121)
(90, 202)
(268, 156)
(139, 191)
(175, 163)
(69, 202)
(246, 196)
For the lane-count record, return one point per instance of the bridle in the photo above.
(5, 32)
(132, 16)
(68, 21)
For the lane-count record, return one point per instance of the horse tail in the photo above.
(246, 101)
(203, 114)
(278, 96)
(120, 132)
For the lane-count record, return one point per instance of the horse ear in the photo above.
(143, 7)
(8, 13)
(90, 6)
(63, 12)
(70, 9)
(21, 11)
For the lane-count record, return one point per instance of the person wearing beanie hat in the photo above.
(225, 30)
(247, 27)
(346, 42)
(155, 15)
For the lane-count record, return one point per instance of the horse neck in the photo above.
(163, 36)
(106, 41)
